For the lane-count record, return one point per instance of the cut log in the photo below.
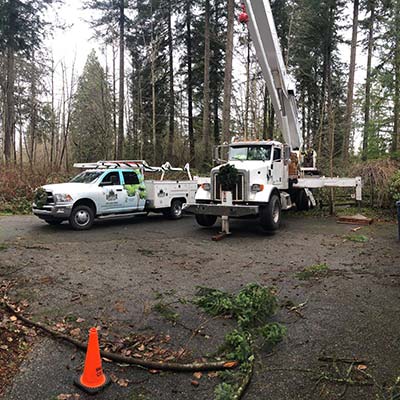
(355, 220)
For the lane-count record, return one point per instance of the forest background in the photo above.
(168, 80)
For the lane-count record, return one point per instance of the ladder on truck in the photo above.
(136, 164)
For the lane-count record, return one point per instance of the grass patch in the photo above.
(146, 252)
(70, 318)
(314, 271)
(357, 238)
(3, 247)
(166, 311)
(380, 214)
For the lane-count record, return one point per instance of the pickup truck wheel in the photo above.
(82, 218)
(270, 215)
(206, 220)
(175, 212)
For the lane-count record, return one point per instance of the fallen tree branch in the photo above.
(151, 365)
(343, 360)
(245, 382)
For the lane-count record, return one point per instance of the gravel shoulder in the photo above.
(113, 275)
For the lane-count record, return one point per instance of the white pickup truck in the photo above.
(113, 188)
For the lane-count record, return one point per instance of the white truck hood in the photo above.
(68, 188)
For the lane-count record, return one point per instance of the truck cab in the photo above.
(262, 166)
(263, 178)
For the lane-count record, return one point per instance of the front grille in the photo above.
(50, 198)
(238, 192)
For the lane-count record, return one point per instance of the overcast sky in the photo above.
(75, 41)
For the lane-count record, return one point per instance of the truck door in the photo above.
(277, 167)
(113, 197)
(133, 191)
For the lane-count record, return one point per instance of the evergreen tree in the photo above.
(22, 29)
(91, 125)
(148, 45)
(110, 25)
(315, 60)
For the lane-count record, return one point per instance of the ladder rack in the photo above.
(135, 164)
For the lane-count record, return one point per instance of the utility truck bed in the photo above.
(160, 193)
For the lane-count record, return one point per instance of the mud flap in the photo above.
(311, 198)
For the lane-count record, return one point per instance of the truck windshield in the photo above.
(87, 177)
(250, 153)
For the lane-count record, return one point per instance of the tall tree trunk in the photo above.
(396, 125)
(367, 105)
(171, 86)
(121, 103)
(247, 100)
(114, 98)
(189, 47)
(215, 94)
(265, 113)
(53, 115)
(217, 137)
(33, 114)
(271, 121)
(226, 115)
(68, 93)
(9, 130)
(153, 100)
(303, 117)
(330, 111)
(323, 107)
(350, 86)
(206, 100)
(140, 114)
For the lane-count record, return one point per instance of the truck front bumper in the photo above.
(222, 210)
(53, 212)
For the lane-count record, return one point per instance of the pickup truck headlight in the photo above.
(63, 198)
(257, 188)
(206, 187)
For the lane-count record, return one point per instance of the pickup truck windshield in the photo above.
(250, 153)
(87, 177)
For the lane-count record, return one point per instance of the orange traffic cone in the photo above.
(93, 379)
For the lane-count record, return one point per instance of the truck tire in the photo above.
(82, 218)
(302, 201)
(270, 215)
(206, 220)
(175, 211)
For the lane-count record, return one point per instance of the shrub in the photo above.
(18, 188)
(228, 176)
(394, 187)
(377, 177)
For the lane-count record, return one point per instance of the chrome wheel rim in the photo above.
(82, 218)
(177, 209)
(276, 213)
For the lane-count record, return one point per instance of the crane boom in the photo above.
(281, 87)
